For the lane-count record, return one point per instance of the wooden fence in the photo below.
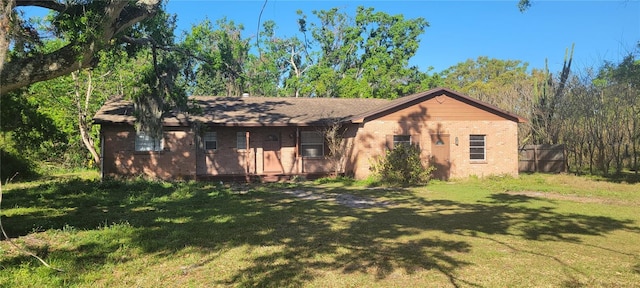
(542, 158)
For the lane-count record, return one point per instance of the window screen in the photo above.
(145, 142)
(311, 144)
(477, 147)
(210, 141)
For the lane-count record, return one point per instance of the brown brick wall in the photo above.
(442, 115)
(176, 161)
(501, 145)
(227, 160)
(182, 157)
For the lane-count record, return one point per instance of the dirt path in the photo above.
(574, 198)
(348, 200)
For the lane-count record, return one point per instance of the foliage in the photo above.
(84, 27)
(402, 166)
(27, 130)
(365, 57)
(524, 5)
(65, 105)
(12, 165)
(599, 118)
(219, 55)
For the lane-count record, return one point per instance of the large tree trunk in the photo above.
(5, 25)
(116, 16)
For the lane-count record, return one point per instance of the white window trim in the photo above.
(402, 142)
(146, 143)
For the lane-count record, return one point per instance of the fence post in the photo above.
(535, 159)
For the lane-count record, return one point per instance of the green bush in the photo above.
(14, 167)
(403, 166)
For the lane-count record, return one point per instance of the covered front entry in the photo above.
(272, 163)
(440, 156)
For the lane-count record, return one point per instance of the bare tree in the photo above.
(82, 108)
(338, 146)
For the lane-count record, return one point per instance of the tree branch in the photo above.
(49, 4)
(116, 16)
(155, 44)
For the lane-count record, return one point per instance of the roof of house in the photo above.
(422, 96)
(285, 111)
(250, 111)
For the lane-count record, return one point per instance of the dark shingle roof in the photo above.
(251, 111)
(285, 111)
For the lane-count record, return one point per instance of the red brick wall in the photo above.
(183, 157)
(176, 161)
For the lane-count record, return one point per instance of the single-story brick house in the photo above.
(282, 137)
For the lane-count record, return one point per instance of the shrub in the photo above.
(402, 166)
(14, 167)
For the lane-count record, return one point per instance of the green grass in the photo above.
(533, 231)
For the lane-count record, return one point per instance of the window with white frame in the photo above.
(477, 147)
(146, 142)
(401, 140)
(311, 144)
(241, 140)
(210, 140)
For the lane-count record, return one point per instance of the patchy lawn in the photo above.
(538, 230)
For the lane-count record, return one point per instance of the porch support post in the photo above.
(248, 149)
(297, 152)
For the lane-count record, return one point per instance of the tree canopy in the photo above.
(85, 27)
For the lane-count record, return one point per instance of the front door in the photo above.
(271, 155)
(440, 156)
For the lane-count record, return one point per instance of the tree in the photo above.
(487, 79)
(86, 27)
(217, 65)
(333, 132)
(127, 69)
(502, 83)
(524, 5)
(366, 56)
(549, 95)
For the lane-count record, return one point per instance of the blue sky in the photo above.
(461, 30)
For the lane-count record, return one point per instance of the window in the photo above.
(210, 141)
(311, 144)
(401, 140)
(477, 147)
(145, 142)
(241, 140)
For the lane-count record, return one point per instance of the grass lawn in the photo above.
(534, 231)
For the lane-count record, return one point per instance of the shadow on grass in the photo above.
(317, 235)
(624, 177)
